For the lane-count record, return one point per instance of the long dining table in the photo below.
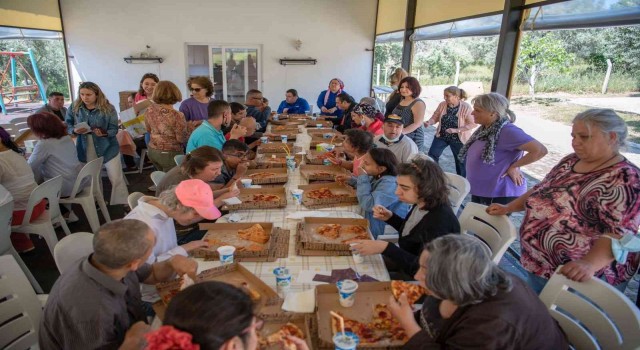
(372, 265)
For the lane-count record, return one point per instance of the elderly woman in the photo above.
(421, 184)
(92, 109)
(195, 107)
(327, 100)
(588, 200)
(226, 320)
(411, 109)
(472, 304)
(167, 126)
(365, 117)
(394, 97)
(496, 151)
(455, 126)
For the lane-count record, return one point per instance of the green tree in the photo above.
(542, 53)
(388, 56)
(50, 57)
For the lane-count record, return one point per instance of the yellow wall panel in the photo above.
(391, 16)
(37, 14)
(529, 2)
(435, 11)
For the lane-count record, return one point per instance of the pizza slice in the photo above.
(280, 337)
(386, 324)
(329, 230)
(359, 231)
(413, 291)
(254, 233)
(362, 330)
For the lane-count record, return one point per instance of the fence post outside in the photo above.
(605, 85)
(455, 81)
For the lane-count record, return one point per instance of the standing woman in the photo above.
(147, 84)
(411, 110)
(455, 126)
(327, 100)
(93, 108)
(167, 126)
(394, 97)
(496, 151)
(195, 107)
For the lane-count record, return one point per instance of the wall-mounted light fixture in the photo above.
(132, 59)
(298, 61)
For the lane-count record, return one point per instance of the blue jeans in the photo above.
(438, 146)
(537, 283)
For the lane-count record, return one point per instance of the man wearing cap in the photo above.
(187, 203)
(96, 303)
(365, 117)
(392, 138)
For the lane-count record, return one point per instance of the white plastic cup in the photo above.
(264, 139)
(329, 147)
(327, 135)
(284, 138)
(275, 117)
(291, 163)
(346, 341)
(226, 254)
(357, 258)
(283, 280)
(246, 183)
(297, 195)
(319, 126)
(347, 292)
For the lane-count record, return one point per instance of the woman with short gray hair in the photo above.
(473, 303)
(495, 152)
(583, 209)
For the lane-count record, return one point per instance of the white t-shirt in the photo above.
(17, 178)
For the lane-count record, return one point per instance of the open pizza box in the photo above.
(260, 198)
(322, 172)
(301, 251)
(288, 121)
(350, 229)
(234, 274)
(322, 124)
(273, 323)
(267, 176)
(318, 139)
(368, 295)
(321, 131)
(276, 147)
(219, 234)
(275, 160)
(313, 157)
(286, 128)
(292, 135)
(345, 195)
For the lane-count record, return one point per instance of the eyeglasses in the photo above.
(196, 89)
(242, 155)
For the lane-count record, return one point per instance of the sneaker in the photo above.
(72, 218)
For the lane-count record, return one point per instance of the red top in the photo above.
(227, 136)
(375, 128)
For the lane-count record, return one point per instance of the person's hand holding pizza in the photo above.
(369, 247)
(402, 311)
(381, 213)
(341, 179)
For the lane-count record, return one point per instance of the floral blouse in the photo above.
(167, 127)
(568, 211)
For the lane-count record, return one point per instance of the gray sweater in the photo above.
(53, 157)
(404, 149)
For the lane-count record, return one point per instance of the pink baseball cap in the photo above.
(197, 194)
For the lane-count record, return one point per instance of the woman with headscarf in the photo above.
(327, 101)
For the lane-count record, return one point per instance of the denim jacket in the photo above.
(107, 146)
(372, 192)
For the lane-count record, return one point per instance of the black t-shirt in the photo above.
(59, 114)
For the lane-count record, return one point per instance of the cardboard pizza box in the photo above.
(311, 240)
(302, 251)
(292, 135)
(314, 124)
(275, 160)
(288, 121)
(234, 274)
(249, 200)
(267, 176)
(322, 172)
(219, 234)
(279, 128)
(273, 323)
(276, 248)
(321, 131)
(276, 147)
(367, 296)
(348, 199)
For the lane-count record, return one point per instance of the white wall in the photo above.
(336, 32)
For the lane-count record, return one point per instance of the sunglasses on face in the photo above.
(197, 89)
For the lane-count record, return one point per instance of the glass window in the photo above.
(387, 56)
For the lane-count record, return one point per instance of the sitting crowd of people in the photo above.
(575, 218)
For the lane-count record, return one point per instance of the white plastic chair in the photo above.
(6, 248)
(71, 249)
(497, 232)
(133, 199)
(157, 176)
(43, 225)
(20, 308)
(593, 314)
(459, 188)
(86, 196)
(178, 159)
(19, 121)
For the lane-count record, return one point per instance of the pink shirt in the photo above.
(139, 97)
(356, 166)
